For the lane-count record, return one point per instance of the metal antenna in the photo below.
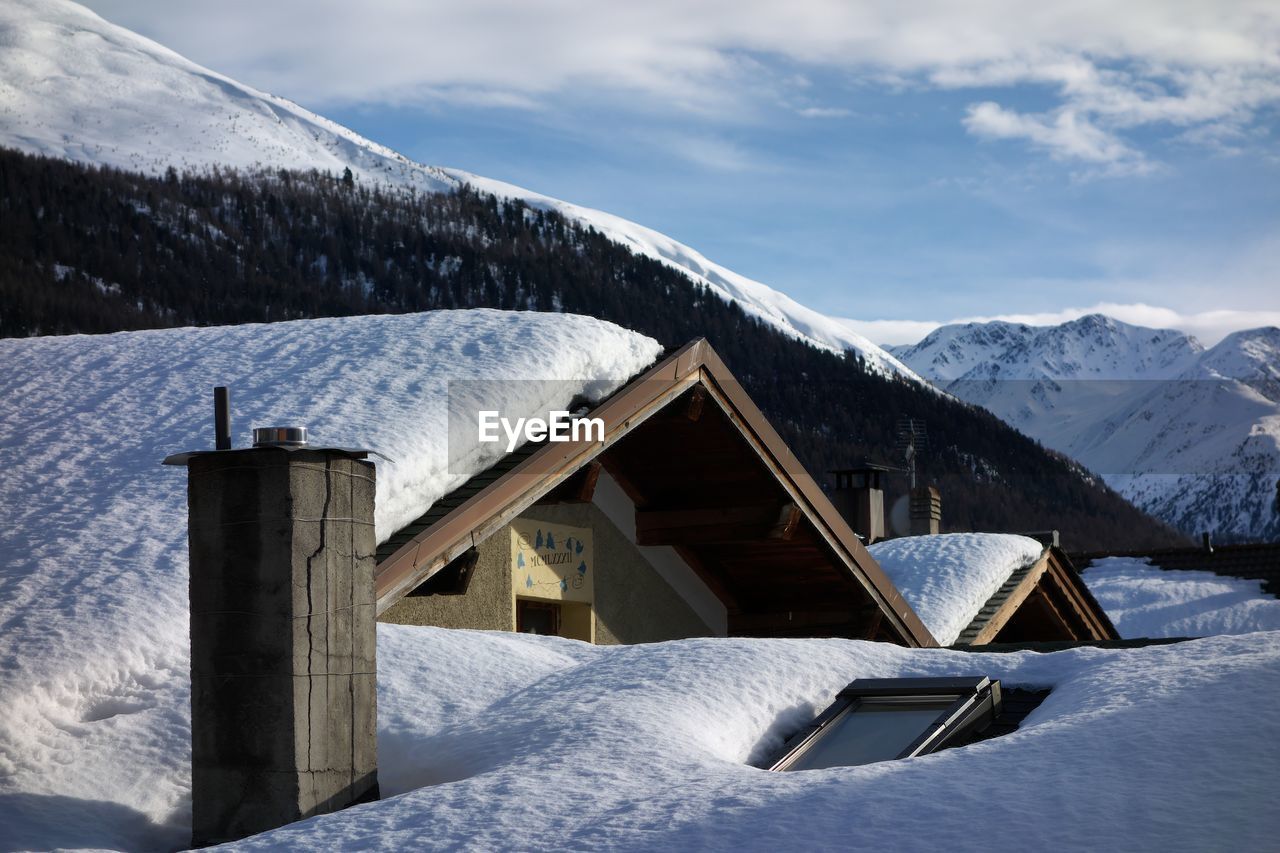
(911, 439)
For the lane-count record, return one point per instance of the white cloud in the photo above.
(1065, 134)
(1216, 99)
(1209, 326)
(1205, 66)
(823, 112)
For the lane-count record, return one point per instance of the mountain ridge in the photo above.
(1190, 434)
(148, 108)
(212, 236)
(131, 251)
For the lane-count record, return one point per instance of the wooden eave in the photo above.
(693, 368)
(1055, 585)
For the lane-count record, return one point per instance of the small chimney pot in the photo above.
(222, 417)
(280, 436)
(859, 498)
(926, 511)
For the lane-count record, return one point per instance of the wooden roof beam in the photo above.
(716, 525)
(579, 488)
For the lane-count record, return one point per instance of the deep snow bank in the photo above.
(1147, 601)
(549, 744)
(93, 550)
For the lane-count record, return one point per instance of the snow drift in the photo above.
(647, 748)
(1146, 601)
(93, 549)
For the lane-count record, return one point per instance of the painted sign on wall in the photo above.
(551, 561)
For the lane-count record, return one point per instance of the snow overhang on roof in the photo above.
(710, 477)
(978, 588)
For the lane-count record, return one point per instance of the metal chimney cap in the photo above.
(280, 436)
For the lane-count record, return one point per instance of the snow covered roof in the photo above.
(499, 741)
(93, 548)
(1144, 600)
(686, 427)
(948, 577)
(546, 743)
(1247, 560)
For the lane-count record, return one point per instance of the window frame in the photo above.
(976, 705)
(555, 608)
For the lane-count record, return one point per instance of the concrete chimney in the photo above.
(926, 510)
(283, 668)
(859, 497)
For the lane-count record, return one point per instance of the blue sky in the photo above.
(911, 166)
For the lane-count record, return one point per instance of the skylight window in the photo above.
(882, 719)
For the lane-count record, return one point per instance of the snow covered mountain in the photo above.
(1188, 434)
(1092, 347)
(76, 86)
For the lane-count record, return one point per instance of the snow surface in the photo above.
(569, 746)
(502, 741)
(947, 578)
(497, 741)
(93, 548)
(1190, 435)
(73, 85)
(1146, 601)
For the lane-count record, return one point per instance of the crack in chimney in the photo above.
(324, 513)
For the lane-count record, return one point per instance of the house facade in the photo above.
(692, 516)
(689, 517)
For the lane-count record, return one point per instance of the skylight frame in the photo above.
(976, 704)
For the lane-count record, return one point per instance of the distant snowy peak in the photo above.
(1189, 435)
(1091, 347)
(1099, 347)
(1251, 356)
(73, 85)
(957, 351)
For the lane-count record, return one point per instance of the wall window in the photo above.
(882, 719)
(538, 617)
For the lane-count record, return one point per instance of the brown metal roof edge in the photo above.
(507, 496)
(494, 505)
(1053, 562)
(830, 523)
(1012, 600)
(1049, 646)
(1082, 590)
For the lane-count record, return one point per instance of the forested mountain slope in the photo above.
(75, 86)
(86, 249)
